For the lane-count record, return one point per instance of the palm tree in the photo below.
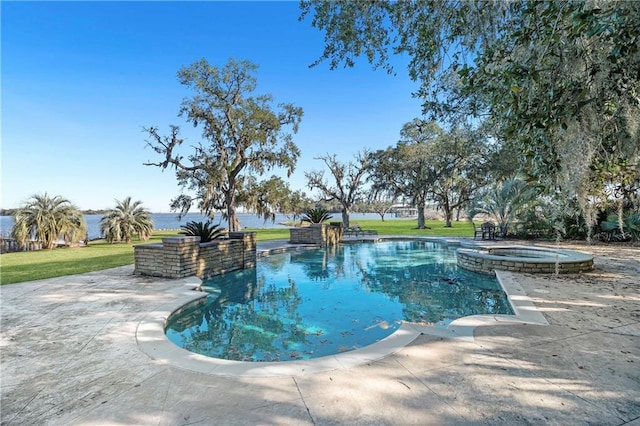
(126, 219)
(47, 219)
(504, 202)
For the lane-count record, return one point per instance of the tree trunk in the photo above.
(421, 220)
(448, 213)
(503, 229)
(345, 217)
(232, 217)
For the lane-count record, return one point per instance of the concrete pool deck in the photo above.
(69, 355)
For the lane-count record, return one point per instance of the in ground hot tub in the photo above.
(523, 259)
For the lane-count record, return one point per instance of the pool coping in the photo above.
(152, 340)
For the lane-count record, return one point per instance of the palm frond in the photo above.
(125, 220)
(316, 215)
(206, 231)
(47, 219)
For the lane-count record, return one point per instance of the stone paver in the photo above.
(69, 356)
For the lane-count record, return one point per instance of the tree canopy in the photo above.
(404, 168)
(348, 181)
(431, 164)
(243, 135)
(271, 196)
(559, 81)
(458, 163)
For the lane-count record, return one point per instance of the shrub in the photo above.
(622, 230)
(317, 215)
(206, 231)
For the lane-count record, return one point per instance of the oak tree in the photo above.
(243, 135)
(558, 81)
(346, 184)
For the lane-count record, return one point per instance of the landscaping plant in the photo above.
(316, 215)
(206, 231)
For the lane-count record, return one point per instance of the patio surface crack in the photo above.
(303, 401)
(630, 421)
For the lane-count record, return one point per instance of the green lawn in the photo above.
(36, 265)
(409, 227)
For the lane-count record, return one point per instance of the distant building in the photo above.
(402, 210)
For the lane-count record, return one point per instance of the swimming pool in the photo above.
(312, 303)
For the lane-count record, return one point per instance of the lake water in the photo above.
(170, 221)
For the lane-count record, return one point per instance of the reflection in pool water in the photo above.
(312, 303)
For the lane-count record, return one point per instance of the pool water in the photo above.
(312, 303)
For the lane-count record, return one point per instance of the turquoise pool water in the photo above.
(313, 303)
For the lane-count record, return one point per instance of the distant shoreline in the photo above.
(11, 212)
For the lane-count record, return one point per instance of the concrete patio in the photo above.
(69, 356)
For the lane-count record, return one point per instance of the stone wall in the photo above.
(148, 259)
(179, 257)
(316, 233)
(487, 262)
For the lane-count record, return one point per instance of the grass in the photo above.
(268, 234)
(37, 265)
(409, 227)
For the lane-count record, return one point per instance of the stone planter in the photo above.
(179, 257)
(317, 233)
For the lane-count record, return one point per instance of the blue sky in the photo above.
(81, 79)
